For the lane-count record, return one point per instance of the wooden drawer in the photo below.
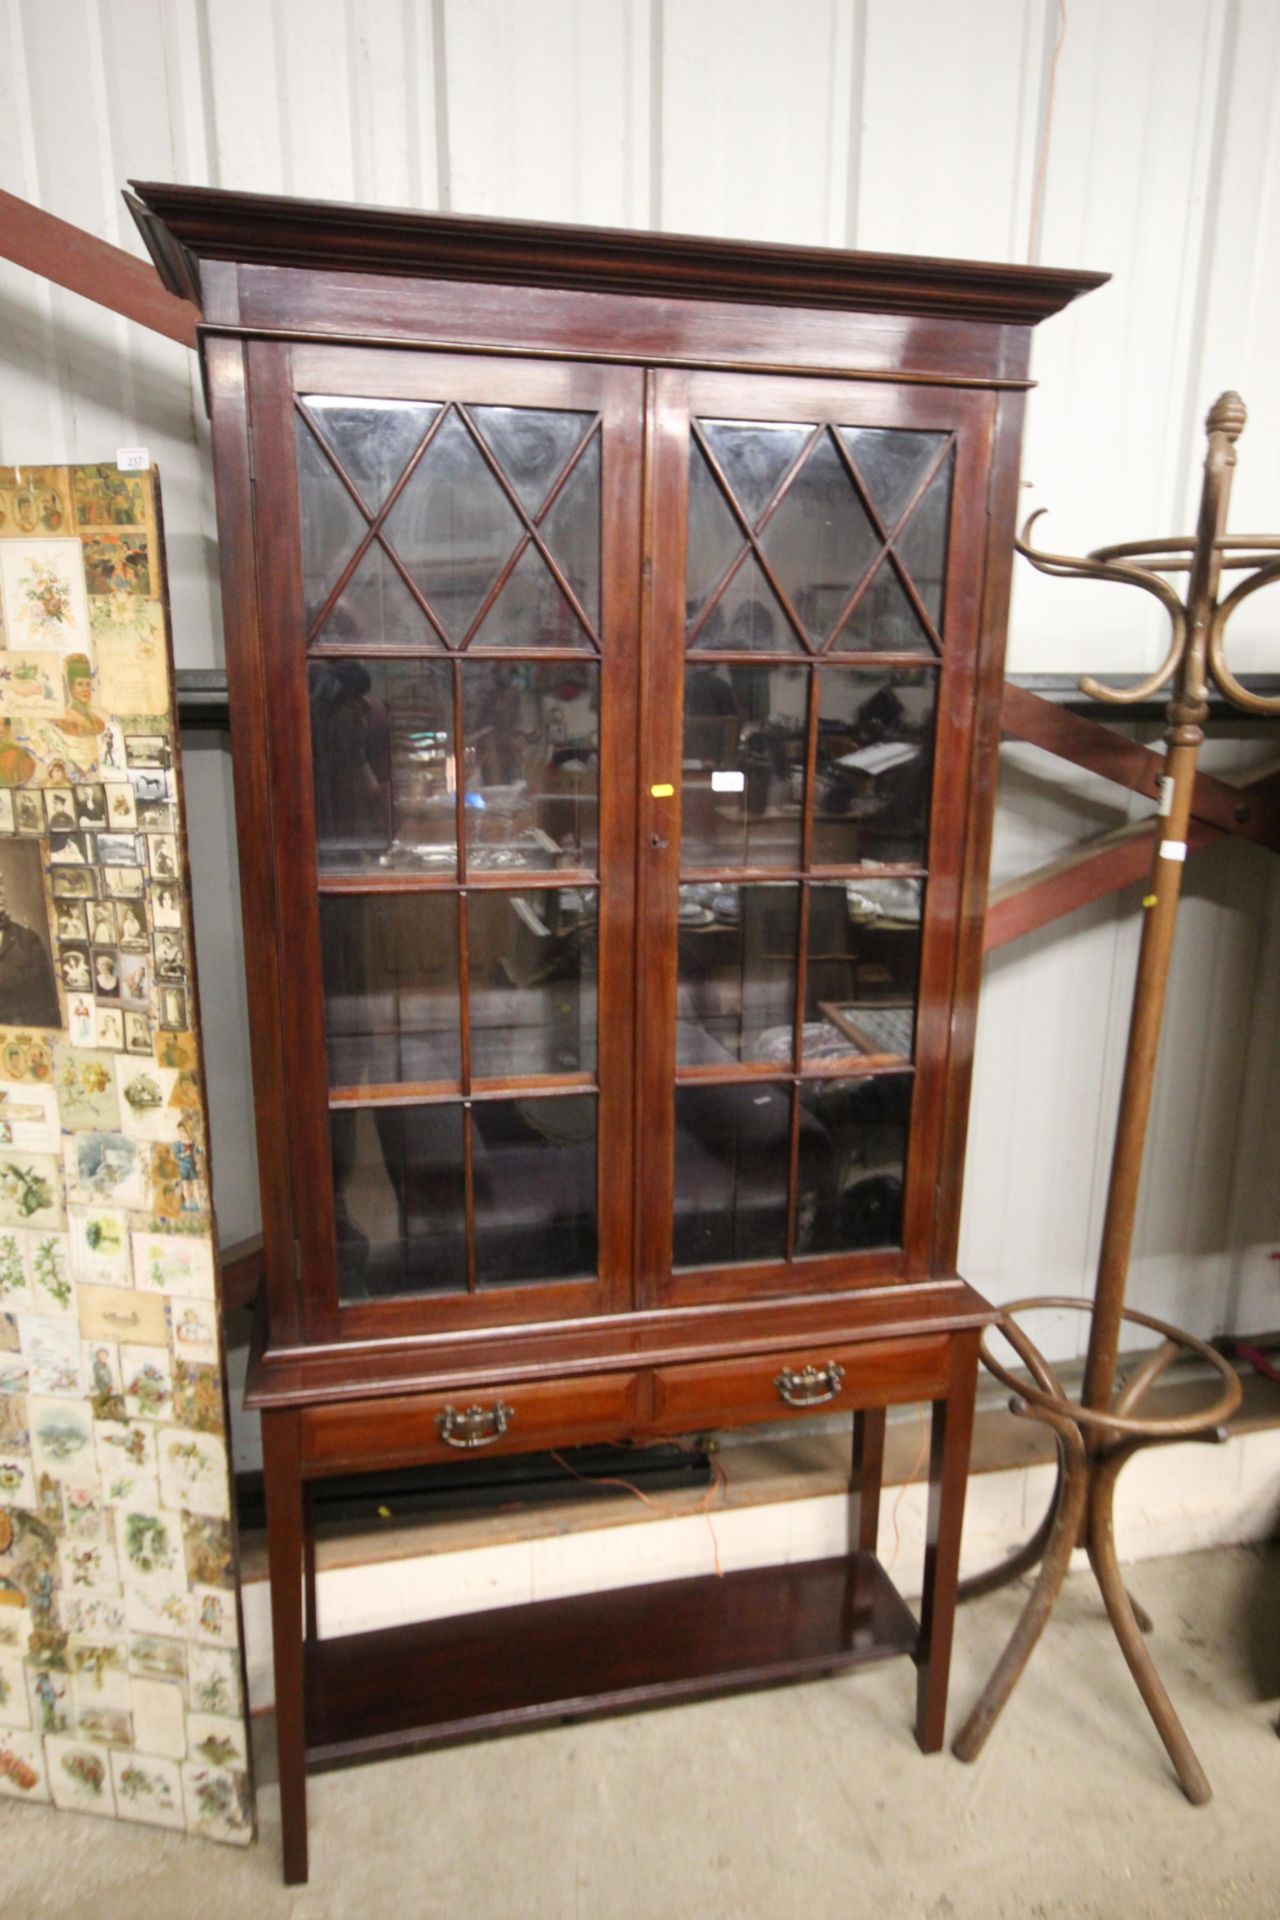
(736, 1393)
(403, 1429)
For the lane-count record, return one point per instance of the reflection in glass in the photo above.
(531, 736)
(390, 964)
(891, 462)
(373, 439)
(874, 765)
(714, 536)
(376, 608)
(884, 620)
(732, 1166)
(453, 527)
(531, 444)
(820, 541)
(923, 543)
(743, 776)
(747, 618)
(534, 1180)
(849, 1193)
(332, 524)
(400, 1200)
(863, 962)
(572, 531)
(754, 455)
(532, 964)
(383, 758)
(531, 611)
(735, 990)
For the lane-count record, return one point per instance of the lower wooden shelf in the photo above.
(372, 1694)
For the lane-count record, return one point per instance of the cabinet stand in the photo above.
(399, 1689)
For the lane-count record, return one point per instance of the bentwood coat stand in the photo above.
(614, 643)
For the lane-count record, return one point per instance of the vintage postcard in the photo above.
(116, 563)
(133, 668)
(31, 684)
(43, 586)
(174, 1263)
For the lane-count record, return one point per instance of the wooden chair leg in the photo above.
(283, 1488)
(948, 1471)
(868, 1474)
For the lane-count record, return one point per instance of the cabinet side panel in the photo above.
(225, 373)
(1002, 498)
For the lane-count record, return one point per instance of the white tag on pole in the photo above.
(1165, 790)
(1173, 849)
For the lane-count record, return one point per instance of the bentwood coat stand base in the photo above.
(614, 650)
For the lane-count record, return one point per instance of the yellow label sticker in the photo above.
(1149, 900)
(663, 790)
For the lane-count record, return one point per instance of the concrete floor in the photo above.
(809, 1801)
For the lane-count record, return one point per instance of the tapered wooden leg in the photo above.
(868, 1473)
(283, 1488)
(310, 1616)
(948, 1472)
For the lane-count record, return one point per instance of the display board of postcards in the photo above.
(121, 1681)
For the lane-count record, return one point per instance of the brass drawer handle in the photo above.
(474, 1426)
(812, 1386)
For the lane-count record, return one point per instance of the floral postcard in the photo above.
(177, 1263)
(42, 583)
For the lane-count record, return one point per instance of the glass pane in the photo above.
(747, 617)
(531, 611)
(453, 527)
(534, 1179)
(743, 778)
(754, 456)
(714, 535)
(736, 980)
(853, 1136)
(373, 439)
(532, 963)
(732, 1165)
(531, 735)
(890, 461)
(383, 756)
(390, 965)
(377, 609)
(923, 543)
(572, 531)
(874, 767)
(864, 960)
(820, 541)
(531, 444)
(884, 620)
(332, 524)
(400, 1200)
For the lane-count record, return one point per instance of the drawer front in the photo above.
(404, 1429)
(776, 1386)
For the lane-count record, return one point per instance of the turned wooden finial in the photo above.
(1227, 415)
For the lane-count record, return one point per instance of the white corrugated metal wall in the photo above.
(907, 125)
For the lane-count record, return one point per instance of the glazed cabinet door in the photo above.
(449, 550)
(810, 663)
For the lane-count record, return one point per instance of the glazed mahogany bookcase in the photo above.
(614, 631)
